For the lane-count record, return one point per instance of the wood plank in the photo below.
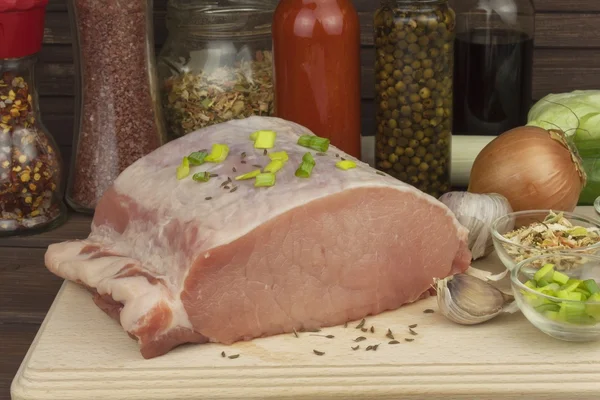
(552, 29)
(77, 227)
(16, 339)
(27, 288)
(568, 6)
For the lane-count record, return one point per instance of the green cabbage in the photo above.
(578, 115)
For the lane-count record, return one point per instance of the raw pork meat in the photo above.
(178, 261)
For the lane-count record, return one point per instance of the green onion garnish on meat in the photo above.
(197, 158)
(201, 177)
(218, 153)
(265, 180)
(305, 169)
(314, 142)
(264, 139)
(249, 175)
(184, 169)
(274, 166)
(345, 165)
(279, 155)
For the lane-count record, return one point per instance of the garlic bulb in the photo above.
(477, 212)
(467, 300)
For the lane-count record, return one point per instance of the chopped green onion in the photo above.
(314, 142)
(305, 169)
(345, 165)
(561, 278)
(544, 273)
(201, 177)
(308, 158)
(591, 286)
(249, 175)
(218, 153)
(253, 136)
(184, 169)
(279, 155)
(197, 158)
(264, 139)
(265, 180)
(274, 166)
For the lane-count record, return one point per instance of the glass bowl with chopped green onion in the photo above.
(521, 235)
(560, 300)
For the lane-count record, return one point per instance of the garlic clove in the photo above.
(467, 300)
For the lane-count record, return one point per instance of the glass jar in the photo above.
(118, 119)
(216, 64)
(493, 65)
(414, 43)
(316, 45)
(31, 193)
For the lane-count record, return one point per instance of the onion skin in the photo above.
(533, 168)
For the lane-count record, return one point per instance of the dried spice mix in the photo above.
(120, 118)
(30, 165)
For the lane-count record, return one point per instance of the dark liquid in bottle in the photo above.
(492, 81)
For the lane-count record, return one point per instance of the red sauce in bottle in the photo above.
(316, 48)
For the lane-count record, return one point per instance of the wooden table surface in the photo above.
(27, 290)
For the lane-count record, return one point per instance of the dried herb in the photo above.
(364, 329)
(360, 339)
(375, 347)
(197, 99)
(265, 152)
(226, 187)
(555, 233)
(295, 333)
(257, 166)
(223, 354)
(213, 175)
(243, 155)
(208, 198)
(325, 336)
(356, 347)
(225, 183)
(409, 340)
(29, 164)
(234, 356)
(243, 161)
(412, 332)
(345, 324)
(429, 311)
(372, 329)
(369, 348)
(394, 342)
(389, 334)
(314, 330)
(380, 173)
(234, 169)
(319, 353)
(362, 323)
(412, 326)
(234, 189)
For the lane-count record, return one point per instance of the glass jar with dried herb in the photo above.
(216, 64)
(414, 91)
(31, 197)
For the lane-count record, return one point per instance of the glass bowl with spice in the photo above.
(522, 235)
(216, 64)
(31, 197)
(560, 295)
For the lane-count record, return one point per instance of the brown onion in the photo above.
(533, 168)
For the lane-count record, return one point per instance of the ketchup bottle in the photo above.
(316, 48)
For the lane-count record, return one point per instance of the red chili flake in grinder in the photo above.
(29, 164)
(121, 120)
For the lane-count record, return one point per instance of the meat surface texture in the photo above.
(179, 261)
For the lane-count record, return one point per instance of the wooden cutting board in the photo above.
(80, 353)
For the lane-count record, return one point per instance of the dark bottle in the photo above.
(493, 65)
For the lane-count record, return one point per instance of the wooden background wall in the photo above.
(567, 57)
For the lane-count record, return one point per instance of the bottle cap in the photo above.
(21, 27)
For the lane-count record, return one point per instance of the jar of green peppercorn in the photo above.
(414, 43)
